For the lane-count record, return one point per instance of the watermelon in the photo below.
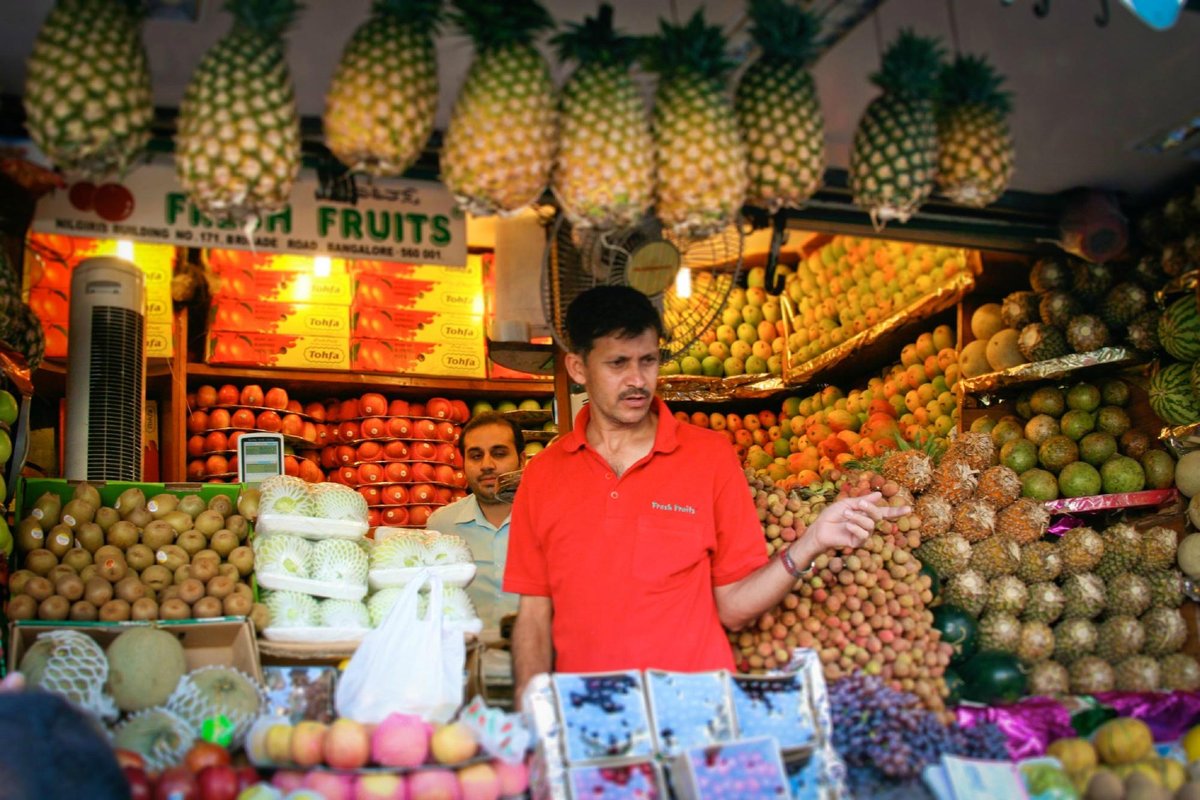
(935, 583)
(958, 629)
(1179, 329)
(992, 678)
(1195, 376)
(1171, 395)
(954, 686)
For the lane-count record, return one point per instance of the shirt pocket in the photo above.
(666, 551)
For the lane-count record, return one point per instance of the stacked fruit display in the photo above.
(852, 284)
(1077, 442)
(220, 416)
(864, 610)
(1120, 761)
(174, 556)
(142, 677)
(1175, 384)
(419, 760)
(8, 418)
(535, 417)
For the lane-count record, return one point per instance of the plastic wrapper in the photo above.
(1169, 714)
(922, 308)
(1110, 502)
(1108, 358)
(704, 389)
(749, 769)
(1030, 725)
(690, 709)
(775, 706)
(548, 770)
(604, 716)
(1181, 439)
(1059, 525)
(300, 693)
(500, 734)
(643, 780)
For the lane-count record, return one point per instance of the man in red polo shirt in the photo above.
(634, 541)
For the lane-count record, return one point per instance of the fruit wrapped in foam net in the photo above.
(70, 664)
(381, 603)
(448, 549)
(161, 736)
(345, 614)
(339, 561)
(285, 494)
(401, 551)
(279, 554)
(214, 692)
(291, 610)
(336, 502)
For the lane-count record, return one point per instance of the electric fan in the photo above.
(688, 280)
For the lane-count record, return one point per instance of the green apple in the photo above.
(690, 365)
(752, 315)
(711, 366)
(669, 368)
(719, 350)
(8, 407)
(756, 365)
(727, 334)
(529, 404)
(734, 366)
(480, 407)
(505, 406)
(741, 350)
(747, 333)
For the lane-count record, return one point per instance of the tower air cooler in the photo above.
(106, 371)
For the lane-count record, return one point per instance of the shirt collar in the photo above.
(666, 437)
(469, 510)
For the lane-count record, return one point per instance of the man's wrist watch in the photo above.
(796, 572)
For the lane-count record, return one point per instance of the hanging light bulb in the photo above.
(683, 283)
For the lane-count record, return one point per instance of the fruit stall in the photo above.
(243, 325)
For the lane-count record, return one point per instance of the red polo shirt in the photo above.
(630, 561)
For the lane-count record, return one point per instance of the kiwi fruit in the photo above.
(192, 541)
(112, 568)
(219, 587)
(174, 608)
(140, 517)
(41, 561)
(130, 589)
(61, 571)
(167, 593)
(17, 581)
(238, 524)
(158, 534)
(143, 608)
(106, 517)
(89, 572)
(157, 577)
(244, 590)
(107, 551)
(123, 535)
(70, 587)
(260, 616)
(182, 574)
(162, 504)
(205, 569)
(179, 521)
(207, 607)
(97, 591)
(85, 491)
(77, 558)
(224, 542)
(47, 509)
(242, 557)
(54, 608)
(139, 557)
(22, 607)
(129, 501)
(90, 537)
(192, 505)
(209, 554)
(209, 522)
(115, 610)
(30, 534)
(191, 590)
(82, 611)
(60, 539)
(247, 503)
(172, 556)
(39, 588)
(78, 511)
(229, 571)
(236, 605)
(221, 504)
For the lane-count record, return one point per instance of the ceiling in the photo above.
(1083, 95)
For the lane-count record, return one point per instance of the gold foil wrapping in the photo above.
(1181, 439)
(1054, 369)
(700, 389)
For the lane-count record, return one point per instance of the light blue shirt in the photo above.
(489, 546)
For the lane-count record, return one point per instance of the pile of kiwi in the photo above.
(171, 557)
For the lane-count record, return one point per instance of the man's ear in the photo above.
(576, 368)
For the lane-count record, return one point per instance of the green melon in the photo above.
(1179, 329)
(1171, 395)
(144, 667)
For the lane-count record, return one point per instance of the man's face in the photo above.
(488, 451)
(620, 375)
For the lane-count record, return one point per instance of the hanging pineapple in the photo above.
(699, 155)
(975, 148)
(778, 110)
(87, 90)
(895, 149)
(237, 149)
(604, 172)
(380, 107)
(499, 146)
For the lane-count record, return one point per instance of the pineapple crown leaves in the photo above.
(491, 25)
(971, 80)
(911, 66)
(696, 48)
(265, 17)
(924, 443)
(425, 14)
(596, 41)
(783, 30)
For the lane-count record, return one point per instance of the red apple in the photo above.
(130, 758)
(219, 418)
(308, 432)
(308, 741)
(276, 398)
(443, 495)
(139, 783)
(373, 428)
(247, 776)
(397, 472)
(399, 427)
(348, 475)
(242, 418)
(371, 494)
(197, 422)
(346, 454)
(195, 446)
(269, 421)
(444, 473)
(398, 408)
(330, 785)
(380, 786)
(395, 494)
(176, 783)
(422, 471)
(251, 395)
(461, 412)
(395, 451)
(206, 396)
(416, 409)
(373, 518)
(316, 411)
(291, 425)
(288, 780)
(372, 404)
(347, 744)
(310, 472)
(216, 441)
(195, 470)
(348, 432)
(396, 516)
(293, 407)
(228, 395)
(218, 782)
(439, 408)
(422, 493)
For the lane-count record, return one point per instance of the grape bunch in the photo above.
(877, 727)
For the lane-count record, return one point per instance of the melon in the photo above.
(1179, 329)
(1002, 350)
(1188, 555)
(1171, 395)
(144, 667)
(1187, 473)
(973, 359)
(1123, 741)
(986, 322)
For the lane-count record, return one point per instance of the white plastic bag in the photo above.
(406, 665)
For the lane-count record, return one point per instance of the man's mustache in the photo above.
(633, 393)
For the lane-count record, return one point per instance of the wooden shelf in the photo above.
(536, 359)
(320, 383)
(50, 379)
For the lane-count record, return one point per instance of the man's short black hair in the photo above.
(610, 310)
(492, 418)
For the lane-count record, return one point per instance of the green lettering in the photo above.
(195, 218)
(176, 205)
(373, 228)
(325, 219)
(417, 221)
(441, 231)
(281, 220)
(351, 224)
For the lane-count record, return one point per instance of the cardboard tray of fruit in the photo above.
(1111, 502)
(1107, 358)
(288, 583)
(451, 574)
(311, 635)
(310, 527)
